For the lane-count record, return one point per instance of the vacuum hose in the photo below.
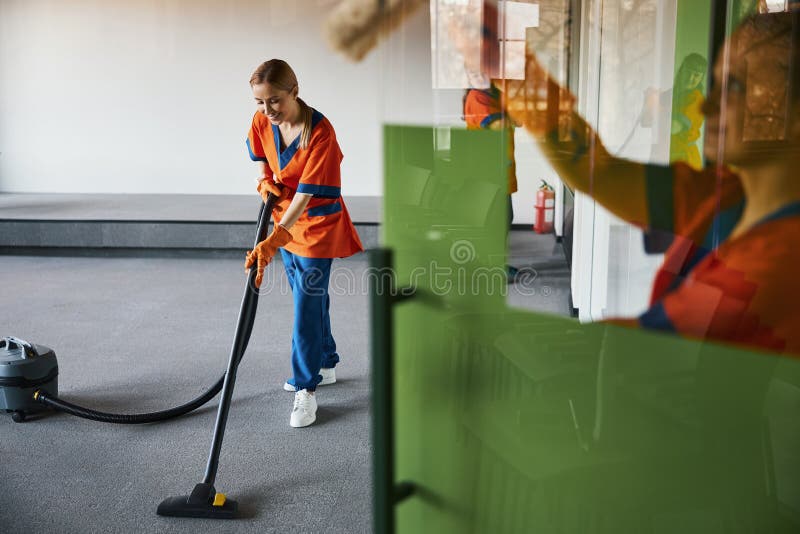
(128, 419)
(154, 417)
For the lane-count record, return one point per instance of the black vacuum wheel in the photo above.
(18, 416)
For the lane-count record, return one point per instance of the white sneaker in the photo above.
(305, 409)
(328, 377)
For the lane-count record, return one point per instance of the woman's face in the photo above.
(694, 78)
(276, 104)
(723, 109)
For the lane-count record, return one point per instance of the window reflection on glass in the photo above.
(455, 44)
(515, 19)
(473, 41)
(772, 6)
(762, 78)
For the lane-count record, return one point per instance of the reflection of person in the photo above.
(730, 275)
(482, 109)
(682, 102)
(687, 119)
(298, 156)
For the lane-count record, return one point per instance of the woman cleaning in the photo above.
(299, 161)
(730, 275)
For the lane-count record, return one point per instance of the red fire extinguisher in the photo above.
(545, 208)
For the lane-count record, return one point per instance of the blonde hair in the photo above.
(278, 73)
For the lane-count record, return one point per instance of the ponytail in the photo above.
(305, 113)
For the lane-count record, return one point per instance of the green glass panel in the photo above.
(512, 421)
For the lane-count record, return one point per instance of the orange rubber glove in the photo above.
(267, 186)
(265, 250)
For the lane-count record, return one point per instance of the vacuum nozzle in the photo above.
(204, 502)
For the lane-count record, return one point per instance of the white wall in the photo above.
(152, 96)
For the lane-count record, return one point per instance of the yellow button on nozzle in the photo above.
(219, 499)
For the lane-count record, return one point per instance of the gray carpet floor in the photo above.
(143, 334)
(146, 334)
(543, 282)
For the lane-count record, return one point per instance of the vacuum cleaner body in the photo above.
(25, 368)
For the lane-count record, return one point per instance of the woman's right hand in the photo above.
(266, 186)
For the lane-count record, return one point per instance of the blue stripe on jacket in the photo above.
(320, 191)
(289, 152)
(253, 156)
(325, 209)
(656, 318)
(491, 118)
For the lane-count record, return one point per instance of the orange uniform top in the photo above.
(740, 289)
(324, 230)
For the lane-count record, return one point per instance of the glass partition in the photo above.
(669, 404)
(521, 421)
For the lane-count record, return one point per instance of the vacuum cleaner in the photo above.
(25, 368)
(29, 384)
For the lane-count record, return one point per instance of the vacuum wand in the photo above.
(204, 501)
(244, 327)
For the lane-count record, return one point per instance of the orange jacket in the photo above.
(737, 290)
(324, 230)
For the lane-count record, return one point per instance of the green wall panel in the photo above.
(692, 29)
(511, 421)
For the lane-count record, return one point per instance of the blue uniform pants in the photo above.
(313, 346)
